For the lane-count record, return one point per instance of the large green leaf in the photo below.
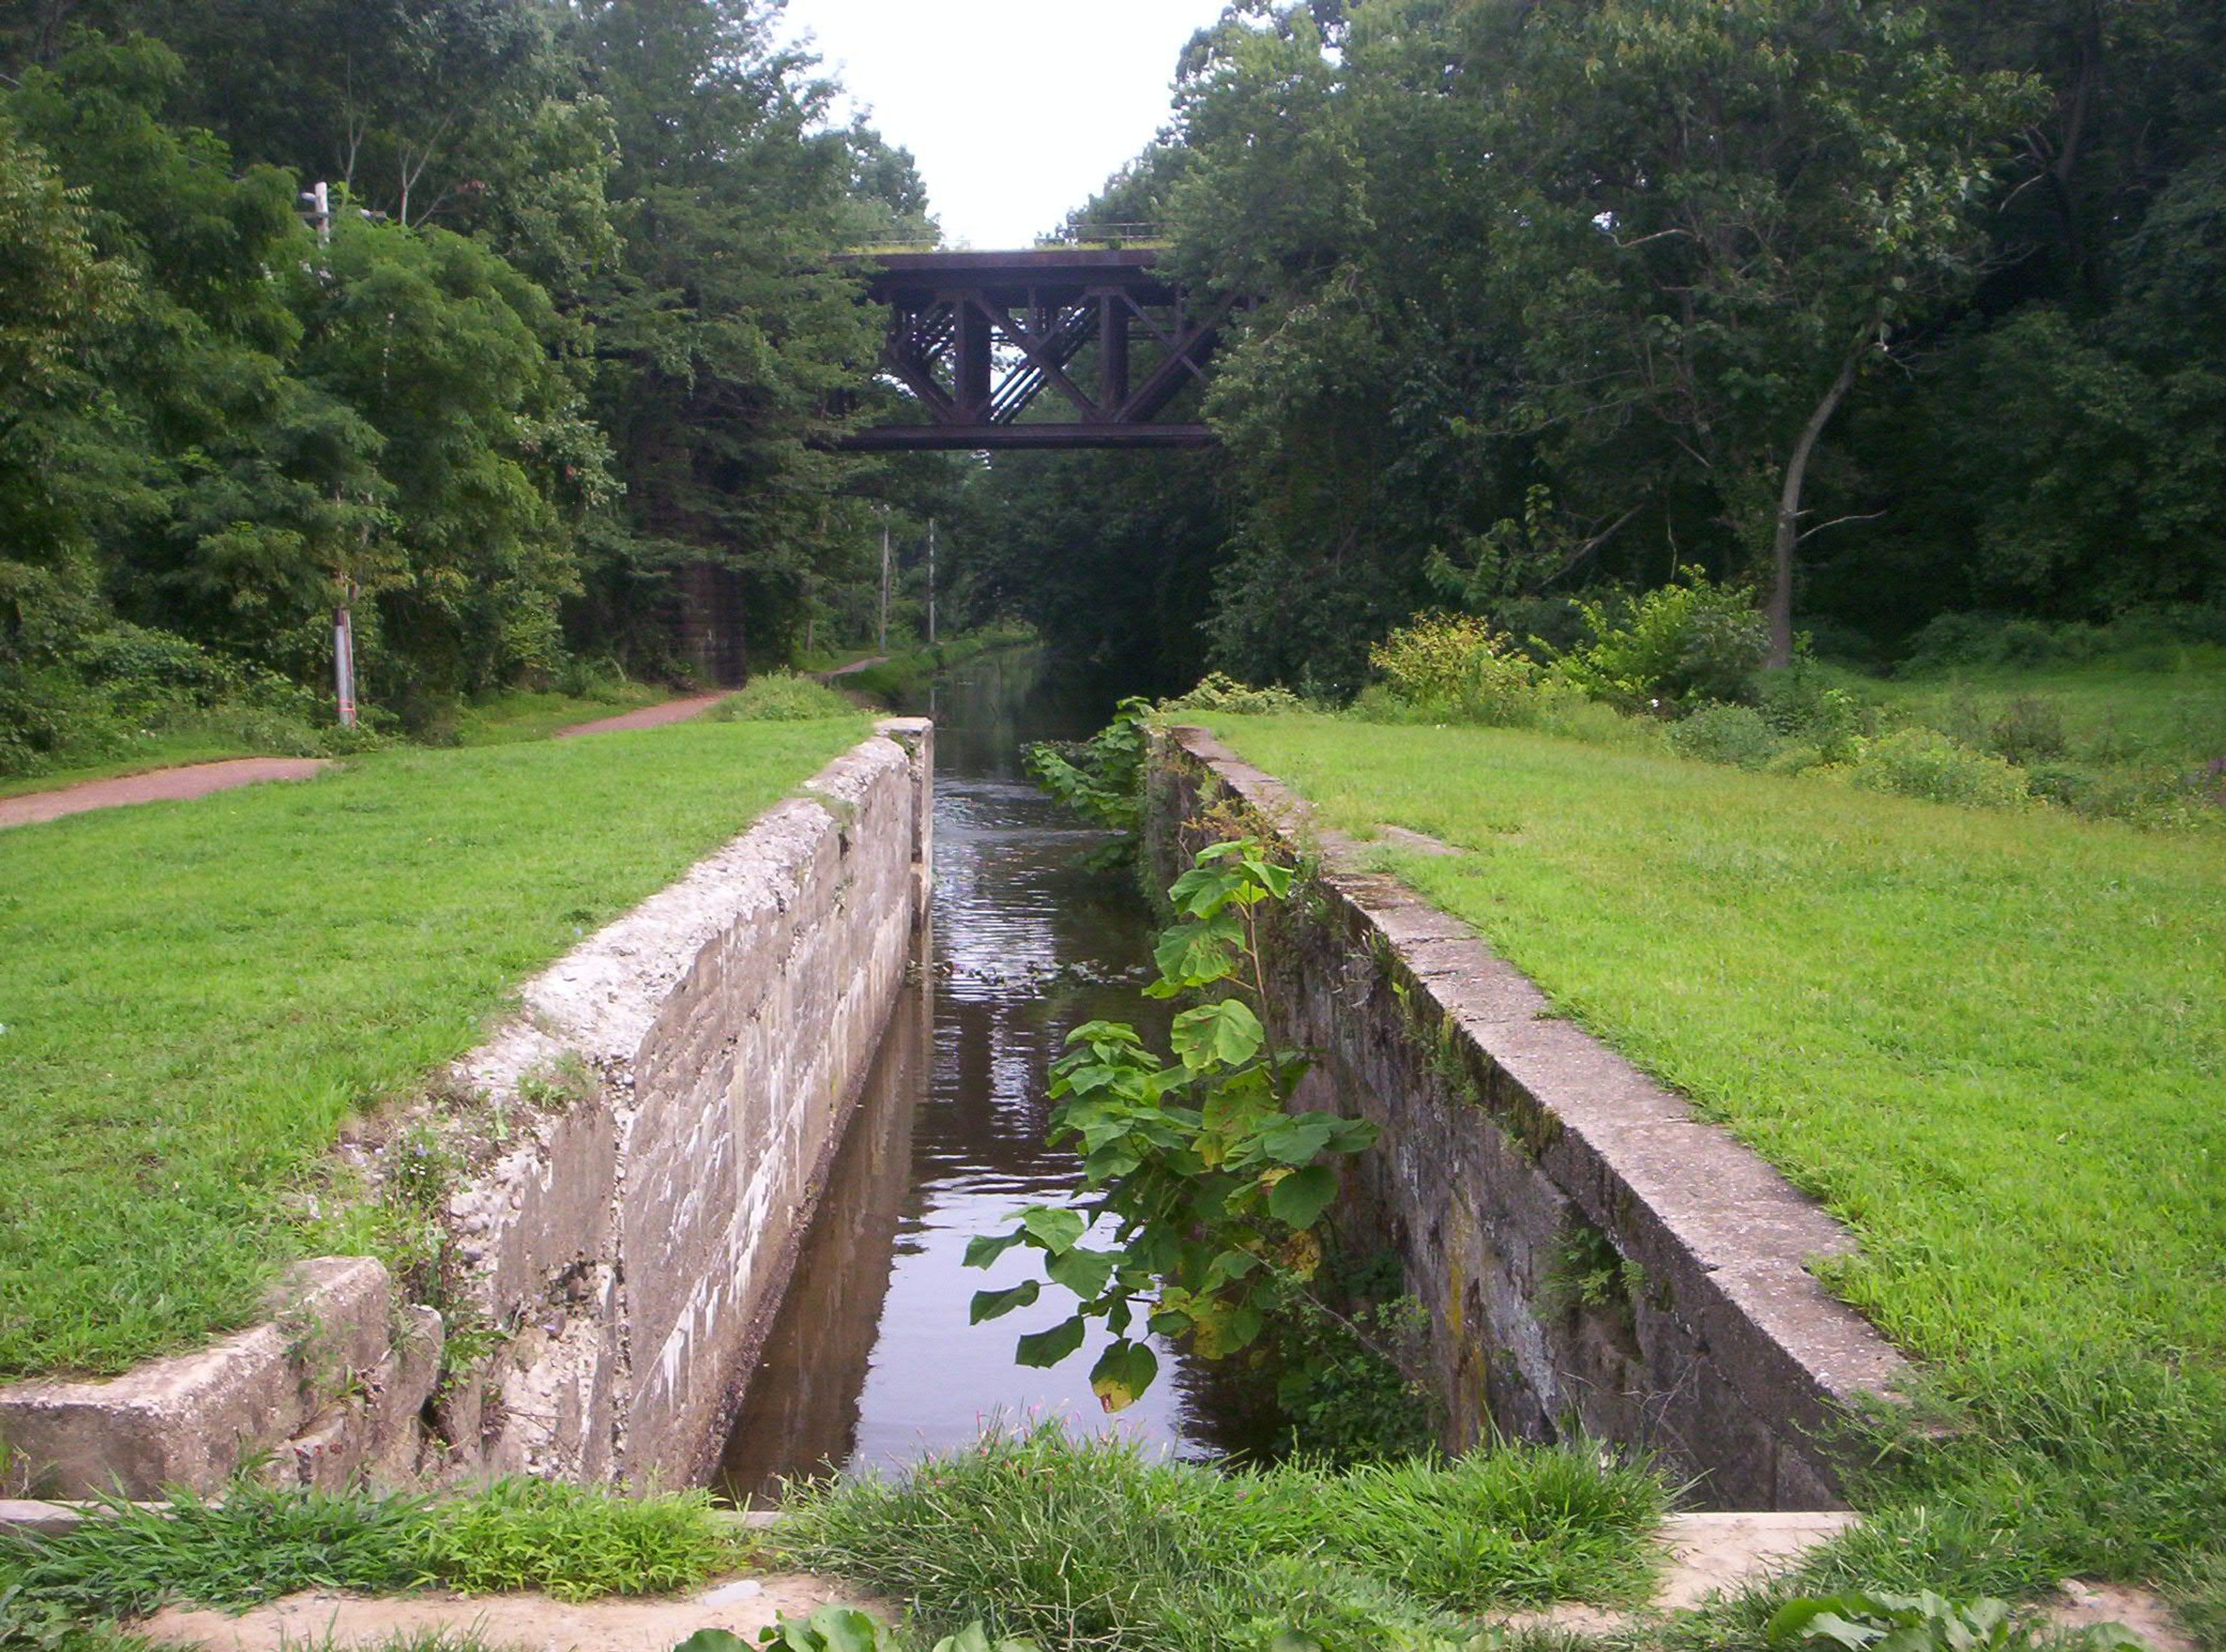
(1056, 1228)
(1203, 891)
(1083, 1272)
(996, 1305)
(984, 1248)
(1198, 954)
(1040, 1350)
(1225, 1034)
(1297, 1139)
(845, 1629)
(1300, 1198)
(1122, 1372)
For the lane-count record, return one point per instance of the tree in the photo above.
(489, 459)
(61, 299)
(1728, 212)
(728, 336)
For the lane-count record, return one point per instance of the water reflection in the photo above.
(872, 1361)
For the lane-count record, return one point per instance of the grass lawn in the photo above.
(1993, 1044)
(524, 714)
(193, 995)
(2163, 704)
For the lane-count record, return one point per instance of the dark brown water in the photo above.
(872, 1362)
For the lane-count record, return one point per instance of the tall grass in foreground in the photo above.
(1086, 1542)
(572, 1542)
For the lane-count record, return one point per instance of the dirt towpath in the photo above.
(656, 716)
(855, 665)
(160, 786)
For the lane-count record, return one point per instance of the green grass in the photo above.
(2166, 703)
(782, 696)
(1087, 1542)
(1994, 1045)
(524, 714)
(258, 1544)
(194, 996)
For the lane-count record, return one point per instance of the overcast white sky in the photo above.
(1016, 110)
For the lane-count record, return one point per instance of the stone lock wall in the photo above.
(643, 1142)
(1594, 1258)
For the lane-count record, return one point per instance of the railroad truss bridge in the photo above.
(978, 337)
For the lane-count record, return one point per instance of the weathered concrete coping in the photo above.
(1677, 1194)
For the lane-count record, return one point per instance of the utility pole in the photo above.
(344, 654)
(931, 582)
(318, 203)
(882, 628)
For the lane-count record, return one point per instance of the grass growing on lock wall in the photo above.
(1993, 1043)
(1077, 1542)
(194, 996)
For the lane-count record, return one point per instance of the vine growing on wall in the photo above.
(1204, 1194)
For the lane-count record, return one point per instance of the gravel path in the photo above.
(656, 716)
(160, 786)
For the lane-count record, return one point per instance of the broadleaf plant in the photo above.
(1208, 1190)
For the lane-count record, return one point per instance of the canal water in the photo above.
(871, 1362)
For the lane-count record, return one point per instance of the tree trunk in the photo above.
(1788, 537)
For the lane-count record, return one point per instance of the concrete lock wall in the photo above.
(620, 1177)
(1594, 1259)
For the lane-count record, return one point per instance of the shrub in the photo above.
(1344, 1395)
(1738, 735)
(1671, 647)
(1795, 760)
(1217, 692)
(88, 698)
(2029, 730)
(1924, 763)
(1569, 715)
(1804, 704)
(782, 696)
(1460, 669)
(1376, 703)
(1987, 638)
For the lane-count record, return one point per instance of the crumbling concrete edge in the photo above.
(338, 1385)
(1682, 1196)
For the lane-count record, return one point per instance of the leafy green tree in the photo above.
(489, 458)
(241, 478)
(1729, 212)
(61, 299)
(729, 334)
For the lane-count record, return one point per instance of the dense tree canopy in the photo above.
(1883, 311)
(571, 337)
